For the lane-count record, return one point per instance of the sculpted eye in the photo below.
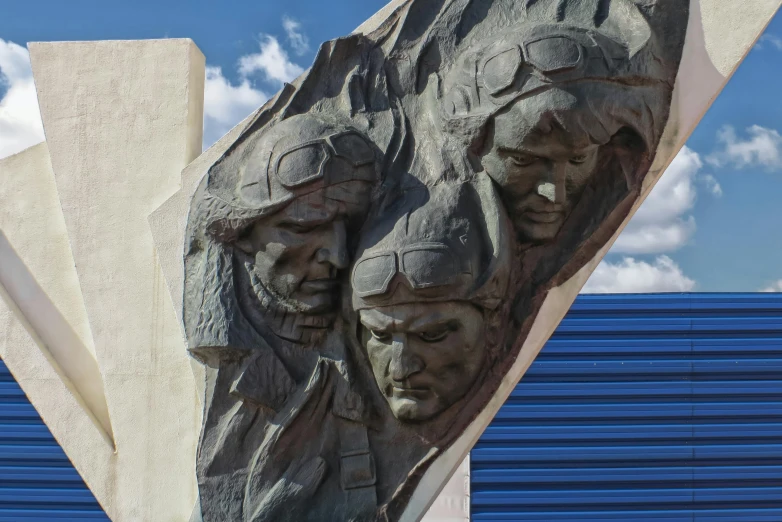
(523, 160)
(383, 337)
(578, 160)
(434, 336)
(297, 228)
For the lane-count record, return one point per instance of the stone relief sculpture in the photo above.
(426, 288)
(364, 263)
(265, 258)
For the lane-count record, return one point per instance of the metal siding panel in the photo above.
(643, 408)
(37, 481)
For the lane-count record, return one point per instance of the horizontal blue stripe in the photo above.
(486, 477)
(614, 433)
(643, 408)
(652, 515)
(625, 497)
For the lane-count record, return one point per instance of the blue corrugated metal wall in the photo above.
(643, 408)
(37, 481)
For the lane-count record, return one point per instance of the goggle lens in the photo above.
(373, 275)
(551, 55)
(429, 266)
(500, 71)
(307, 162)
(295, 167)
(424, 267)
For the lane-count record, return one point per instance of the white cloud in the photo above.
(272, 61)
(712, 185)
(20, 118)
(762, 148)
(654, 238)
(632, 276)
(225, 104)
(769, 41)
(296, 39)
(663, 223)
(776, 286)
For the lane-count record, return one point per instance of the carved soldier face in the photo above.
(300, 250)
(425, 356)
(542, 157)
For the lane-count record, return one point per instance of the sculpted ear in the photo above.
(244, 242)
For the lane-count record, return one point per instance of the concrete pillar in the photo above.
(121, 119)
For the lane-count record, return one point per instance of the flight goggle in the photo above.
(308, 162)
(556, 54)
(425, 265)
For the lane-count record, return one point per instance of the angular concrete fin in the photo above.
(54, 336)
(56, 400)
(46, 342)
(122, 119)
(40, 282)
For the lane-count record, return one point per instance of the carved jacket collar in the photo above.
(266, 382)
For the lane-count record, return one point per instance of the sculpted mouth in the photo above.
(543, 217)
(415, 393)
(537, 210)
(317, 286)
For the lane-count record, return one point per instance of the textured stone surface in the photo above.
(364, 264)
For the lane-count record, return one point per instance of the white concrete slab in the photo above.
(122, 119)
(45, 338)
(38, 275)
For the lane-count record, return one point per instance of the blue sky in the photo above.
(713, 223)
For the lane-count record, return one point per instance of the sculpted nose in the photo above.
(552, 186)
(404, 363)
(334, 250)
